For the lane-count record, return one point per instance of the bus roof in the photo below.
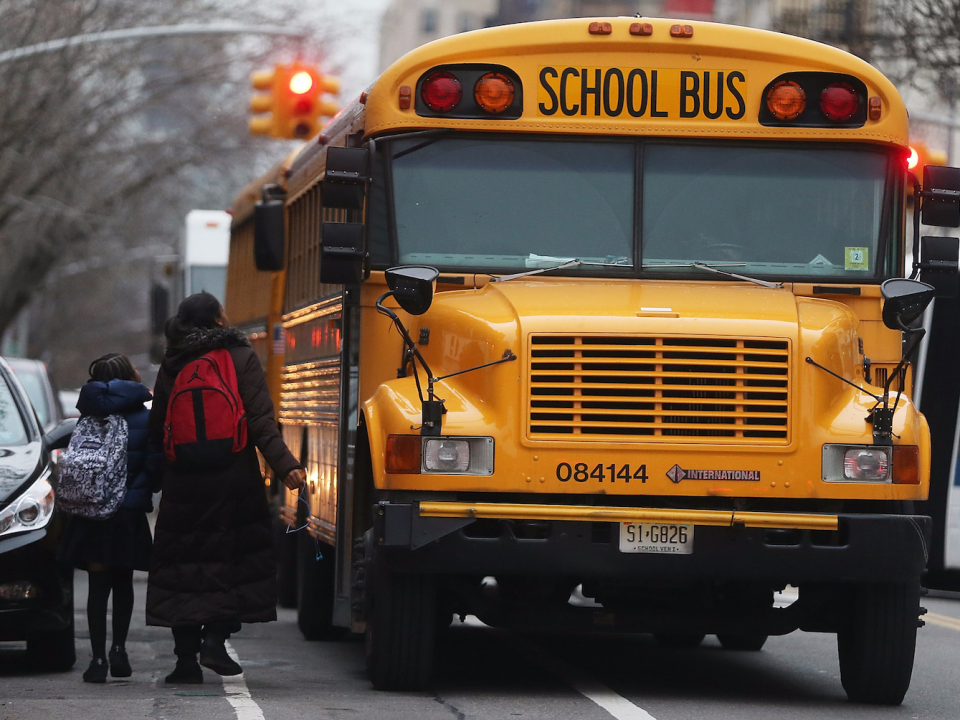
(245, 200)
(527, 48)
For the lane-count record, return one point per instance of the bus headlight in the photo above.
(458, 456)
(897, 464)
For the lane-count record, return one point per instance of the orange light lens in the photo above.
(494, 92)
(913, 159)
(301, 82)
(906, 465)
(786, 100)
(403, 454)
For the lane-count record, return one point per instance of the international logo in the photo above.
(677, 473)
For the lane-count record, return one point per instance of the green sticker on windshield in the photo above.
(855, 258)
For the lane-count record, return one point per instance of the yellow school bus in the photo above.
(617, 306)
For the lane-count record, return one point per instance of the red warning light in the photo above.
(913, 159)
(301, 82)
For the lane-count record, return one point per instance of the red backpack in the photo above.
(206, 423)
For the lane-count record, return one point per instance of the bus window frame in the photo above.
(890, 254)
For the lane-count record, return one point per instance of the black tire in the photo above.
(53, 650)
(315, 589)
(400, 631)
(682, 641)
(876, 644)
(742, 641)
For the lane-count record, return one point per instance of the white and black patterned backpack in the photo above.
(93, 470)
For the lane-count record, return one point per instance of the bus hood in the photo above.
(624, 343)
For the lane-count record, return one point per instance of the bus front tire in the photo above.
(877, 642)
(400, 631)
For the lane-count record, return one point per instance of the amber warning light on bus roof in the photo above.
(468, 91)
(816, 99)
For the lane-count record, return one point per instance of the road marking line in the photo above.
(942, 620)
(617, 705)
(237, 693)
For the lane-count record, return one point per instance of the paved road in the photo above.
(486, 674)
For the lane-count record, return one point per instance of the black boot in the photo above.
(97, 672)
(213, 655)
(119, 663)
(187, 672)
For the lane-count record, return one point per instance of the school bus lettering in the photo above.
(612, 92)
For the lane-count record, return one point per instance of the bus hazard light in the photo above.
(441, 91)
(786, 100)
(494, 92)
(839, 102)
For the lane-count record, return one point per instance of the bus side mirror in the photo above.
(342, 253)
(904, 302)
(412, 286)
(939, 262)
(345, 178)
(268, 229)
(941, 196)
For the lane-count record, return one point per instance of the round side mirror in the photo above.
(413, 286)
(904, 301)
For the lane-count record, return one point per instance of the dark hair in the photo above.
(200, 310)
(112, 366)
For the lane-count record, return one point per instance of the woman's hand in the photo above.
(295, 479)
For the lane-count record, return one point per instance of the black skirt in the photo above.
(122, 541)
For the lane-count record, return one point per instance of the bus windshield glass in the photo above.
(497, 204)
(772, 211)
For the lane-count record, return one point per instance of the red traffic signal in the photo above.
(294, 101)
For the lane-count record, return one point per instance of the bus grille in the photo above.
(659, 389)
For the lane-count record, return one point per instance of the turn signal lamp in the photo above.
(494, 92)
(403, 454)
(839, 102)
(441, 91)
(786, 100)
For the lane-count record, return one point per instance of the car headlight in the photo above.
(32, 510)
(896, 464)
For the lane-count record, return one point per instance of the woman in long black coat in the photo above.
(213, 566)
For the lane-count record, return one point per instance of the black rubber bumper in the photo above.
(865, 548)
(31, 557)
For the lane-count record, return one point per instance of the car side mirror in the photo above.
(904, 301)
(59, 437)
(940, 196)
(268, 229)
(412, 286)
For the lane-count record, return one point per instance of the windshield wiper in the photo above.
(562, 263)
(715, 268)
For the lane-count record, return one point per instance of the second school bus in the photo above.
(613, 304)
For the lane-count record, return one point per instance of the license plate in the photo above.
(656, 538)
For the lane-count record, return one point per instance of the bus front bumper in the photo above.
(531, 539)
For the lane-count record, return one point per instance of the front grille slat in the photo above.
(668, 389)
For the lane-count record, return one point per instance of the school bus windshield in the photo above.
(772, 210)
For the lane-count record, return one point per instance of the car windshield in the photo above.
(12, 429)
(33, 383)
(774, 211)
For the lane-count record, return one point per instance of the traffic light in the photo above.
(294, 100)
(921, 155)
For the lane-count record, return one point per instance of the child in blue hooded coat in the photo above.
(110, 550)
